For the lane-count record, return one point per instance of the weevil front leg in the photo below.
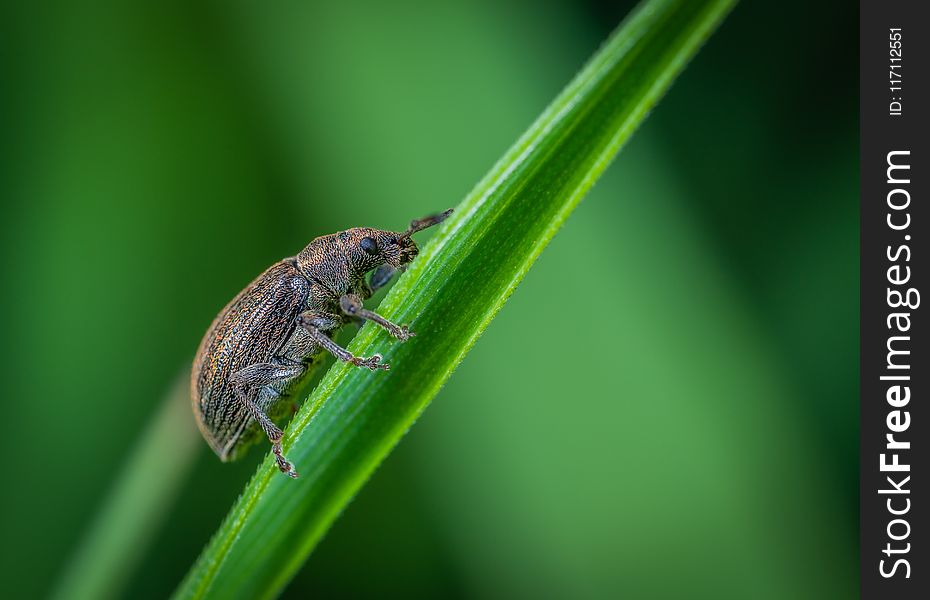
(352, 306)
(317, 324)
(247, 382)
(380, 277)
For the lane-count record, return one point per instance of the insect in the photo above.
(261, 346)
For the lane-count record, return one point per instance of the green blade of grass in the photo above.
(449, 295)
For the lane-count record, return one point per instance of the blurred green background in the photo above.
(690, 432)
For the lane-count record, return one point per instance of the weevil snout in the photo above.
(408, 251)
(405, 249)
(397, 251)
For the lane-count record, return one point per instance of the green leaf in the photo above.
(449, 295)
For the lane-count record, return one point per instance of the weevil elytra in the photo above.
(262, 344)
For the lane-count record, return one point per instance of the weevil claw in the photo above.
(378, 365)
(403, 333)
(374, 363)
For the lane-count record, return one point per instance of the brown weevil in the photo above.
(262, 344)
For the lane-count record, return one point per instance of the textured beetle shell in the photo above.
(251, 329)
(259, 329)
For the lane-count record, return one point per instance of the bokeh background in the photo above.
(155, 157)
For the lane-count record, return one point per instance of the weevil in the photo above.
(261, 346)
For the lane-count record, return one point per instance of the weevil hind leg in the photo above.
(247, 383)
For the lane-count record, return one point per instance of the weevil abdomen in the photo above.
(252, 329)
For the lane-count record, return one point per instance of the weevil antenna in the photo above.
(424, 223)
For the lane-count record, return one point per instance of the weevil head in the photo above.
(368, 248)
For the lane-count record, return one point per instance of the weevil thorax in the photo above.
(341, 259)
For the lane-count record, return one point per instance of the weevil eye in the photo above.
(369, 245)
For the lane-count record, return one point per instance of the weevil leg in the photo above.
(316, 324)
(252, 378)
(262, 374)
(380, 277)
(352, 306)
